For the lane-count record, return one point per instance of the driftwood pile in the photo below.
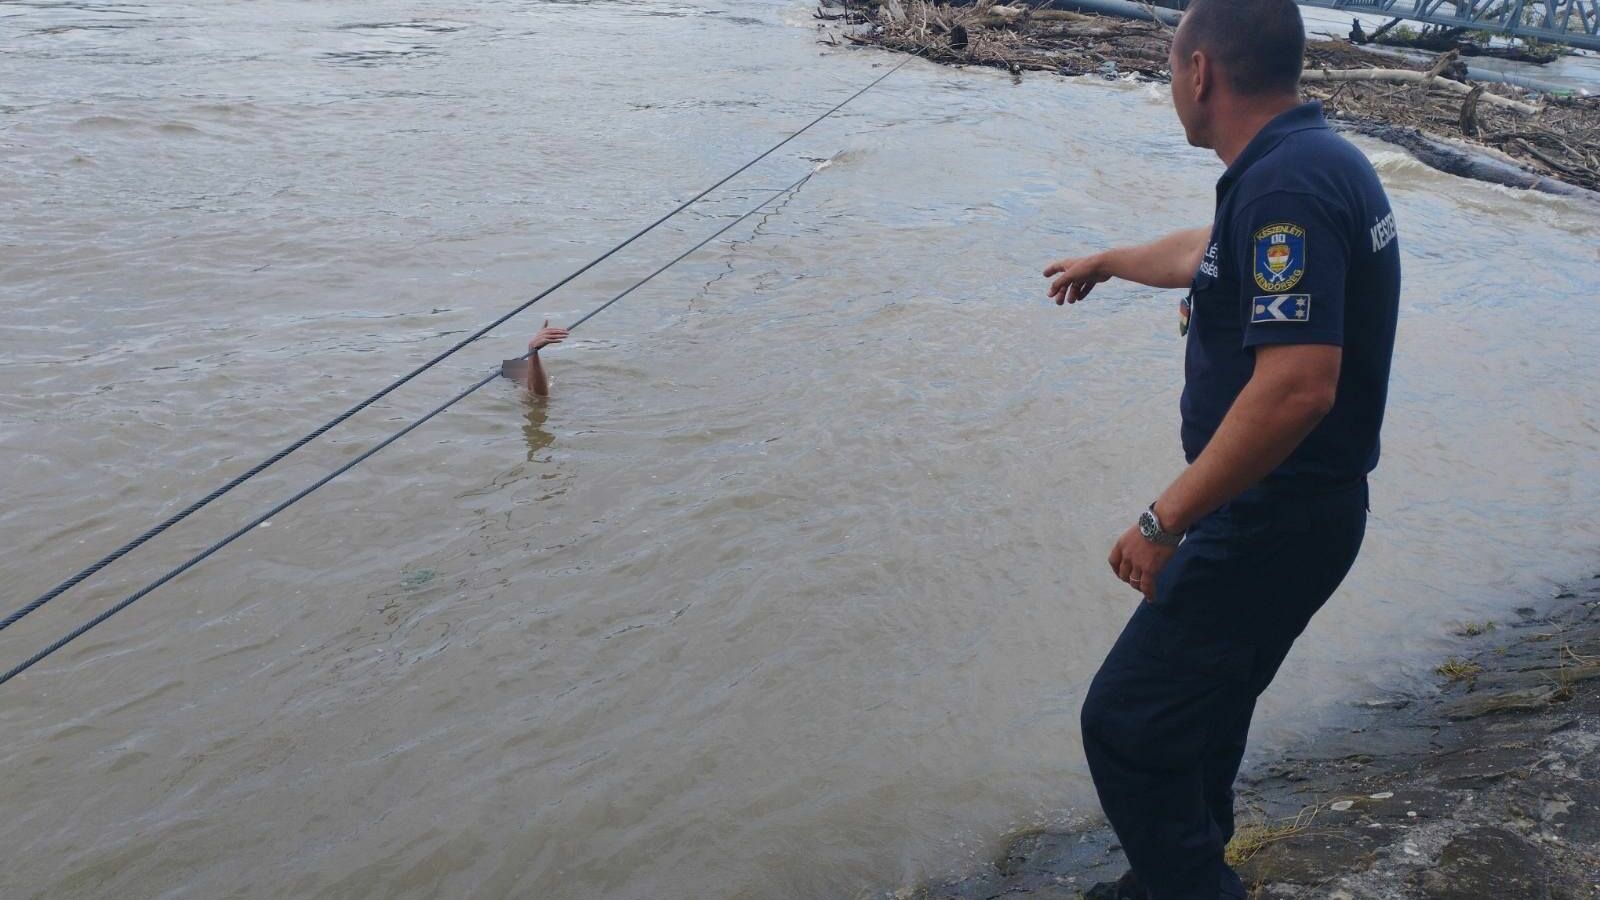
(1414, 104)
(1018, 37)
(1443, 40)
(1554, 137)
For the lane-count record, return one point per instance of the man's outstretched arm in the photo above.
(1169, 262)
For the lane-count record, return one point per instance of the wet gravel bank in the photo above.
(1489, 788)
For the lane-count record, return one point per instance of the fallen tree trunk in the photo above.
(1404, 76)
(1464, 161)
(1479, 73)
(1137, 10)
(1384, 29)
(1127, 9)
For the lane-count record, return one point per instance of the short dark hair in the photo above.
(1260, 44)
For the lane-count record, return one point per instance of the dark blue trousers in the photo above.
(1166, 718)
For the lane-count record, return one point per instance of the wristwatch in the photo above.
(1150, 527)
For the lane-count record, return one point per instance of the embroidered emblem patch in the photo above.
(1280, 257)
(1281, 308)
(1185, 309)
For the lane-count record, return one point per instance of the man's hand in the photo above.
(1167, 262)
(1076, 277)
(1139, 562)
(546, 337)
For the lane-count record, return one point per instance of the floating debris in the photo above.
(1519, 137)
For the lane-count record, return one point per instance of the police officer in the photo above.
(1290, 323)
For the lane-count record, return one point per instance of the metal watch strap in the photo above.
(1150, 527)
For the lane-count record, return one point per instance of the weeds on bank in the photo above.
(1248, 840)
(1474, 629)
(1572, 662)
(1458, 669)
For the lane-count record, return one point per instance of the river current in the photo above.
(794, 586)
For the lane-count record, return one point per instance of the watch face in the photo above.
(1152, 531)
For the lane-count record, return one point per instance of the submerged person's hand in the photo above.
(529, 369)
(546, 337)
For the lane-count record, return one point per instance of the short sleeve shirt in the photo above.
(1303, 250)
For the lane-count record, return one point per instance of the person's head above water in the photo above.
(1233, 61)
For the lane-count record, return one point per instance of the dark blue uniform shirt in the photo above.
(1303, 251)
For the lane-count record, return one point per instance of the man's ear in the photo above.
(1205, 76)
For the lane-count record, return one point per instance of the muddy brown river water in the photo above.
(792, 589)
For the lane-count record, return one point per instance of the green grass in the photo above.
(1458, 669)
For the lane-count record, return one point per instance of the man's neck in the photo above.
(1241, 125)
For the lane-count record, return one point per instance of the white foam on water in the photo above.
(1400, 169)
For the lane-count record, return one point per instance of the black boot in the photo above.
(1128, 887)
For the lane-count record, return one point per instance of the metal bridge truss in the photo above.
(1572, 22)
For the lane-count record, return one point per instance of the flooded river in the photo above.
(793, 588)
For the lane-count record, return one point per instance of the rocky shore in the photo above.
(1488, 789)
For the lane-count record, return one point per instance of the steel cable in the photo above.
(368, 454)
(264, 464)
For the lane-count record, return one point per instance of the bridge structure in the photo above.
(1575, 23)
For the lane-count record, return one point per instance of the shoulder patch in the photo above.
(1281, 308)
(1280, 256)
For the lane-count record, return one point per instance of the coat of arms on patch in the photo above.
(1280, 256)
